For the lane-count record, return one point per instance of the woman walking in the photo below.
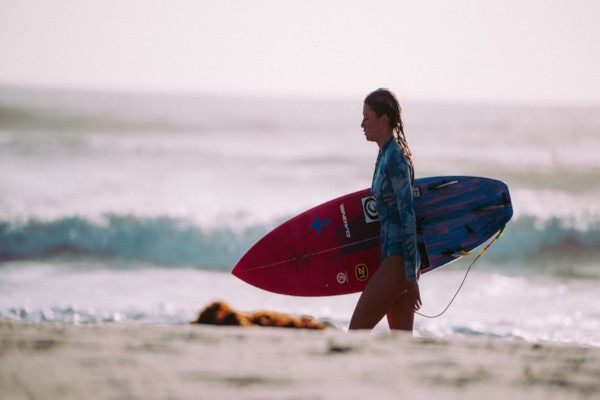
(393, 290)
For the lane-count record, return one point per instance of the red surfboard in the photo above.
(334, 248)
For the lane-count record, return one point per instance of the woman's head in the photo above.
(384, 102)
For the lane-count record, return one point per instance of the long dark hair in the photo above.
(384, 101)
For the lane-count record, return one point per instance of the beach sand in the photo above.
(139, 361)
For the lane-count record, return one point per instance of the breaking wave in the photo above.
(554, 246)
(557, 246)
(163, 241)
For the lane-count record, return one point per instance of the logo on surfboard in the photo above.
(318, 225)
(362, 272)
(369, 209)
(345, 219)
(342, 278)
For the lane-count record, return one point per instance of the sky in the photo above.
(493, 51)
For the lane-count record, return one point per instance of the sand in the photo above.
(137, 361)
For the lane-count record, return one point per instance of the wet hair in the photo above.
(384, 101)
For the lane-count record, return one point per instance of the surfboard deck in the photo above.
(334, 248)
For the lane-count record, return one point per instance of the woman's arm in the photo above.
(400, 176)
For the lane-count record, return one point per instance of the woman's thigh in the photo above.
(382, 291)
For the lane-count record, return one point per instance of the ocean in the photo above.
(122, 207)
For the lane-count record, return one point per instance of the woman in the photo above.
(393, 290)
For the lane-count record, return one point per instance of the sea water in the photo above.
(135, 207)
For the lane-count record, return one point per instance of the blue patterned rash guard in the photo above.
(392, 190)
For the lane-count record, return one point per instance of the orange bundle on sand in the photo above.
(220, 313)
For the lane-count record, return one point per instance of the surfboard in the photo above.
(334, 248)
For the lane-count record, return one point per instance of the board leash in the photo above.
(465, 277)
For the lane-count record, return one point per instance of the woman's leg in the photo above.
(400, 316)
(383, 291)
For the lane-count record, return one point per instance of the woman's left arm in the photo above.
(401, 180)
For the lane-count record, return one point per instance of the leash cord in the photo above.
(465, 277)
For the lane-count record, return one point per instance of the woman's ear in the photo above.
(384, 120)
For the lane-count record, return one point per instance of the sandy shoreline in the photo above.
(129, 361)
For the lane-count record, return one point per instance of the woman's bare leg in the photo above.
(400, 316)
(383, 291)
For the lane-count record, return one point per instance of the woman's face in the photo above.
(374, 127)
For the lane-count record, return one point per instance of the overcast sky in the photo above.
(524, 51)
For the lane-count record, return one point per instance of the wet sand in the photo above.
(136, 361)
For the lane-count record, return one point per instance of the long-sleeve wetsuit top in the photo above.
(393, 192)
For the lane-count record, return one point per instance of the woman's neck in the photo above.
(384, 139)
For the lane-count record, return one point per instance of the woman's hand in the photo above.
(414, 296)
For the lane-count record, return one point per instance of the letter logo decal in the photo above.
(369, 209)
(345, 220)
(362, 272)
(416, 192)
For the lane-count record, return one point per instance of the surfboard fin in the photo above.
(442, 185)
(424, 254)
(457, 253)
(490, 207)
